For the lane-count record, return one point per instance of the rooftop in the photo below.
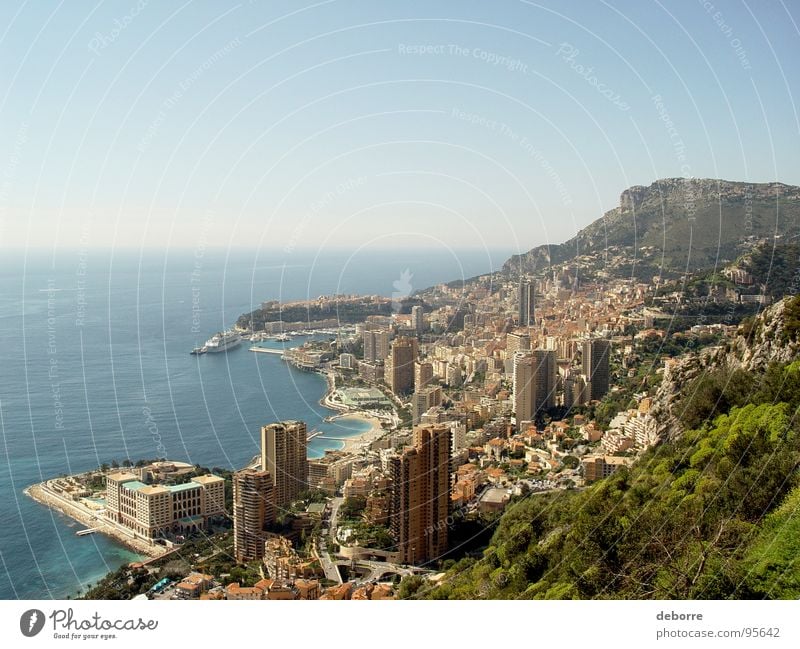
(134, 485)
(151, 490)
(207, 479)
(120, 476)
(186, 486)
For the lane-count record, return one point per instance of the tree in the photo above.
(409, 586)
(571, 462)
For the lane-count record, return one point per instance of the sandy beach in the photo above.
(41, 494)
(357, 442)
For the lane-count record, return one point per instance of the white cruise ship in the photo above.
(223, 341)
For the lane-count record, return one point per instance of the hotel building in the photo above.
(152, 511)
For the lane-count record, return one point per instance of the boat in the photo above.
(223, 341)
(282, 338)
(197, 351)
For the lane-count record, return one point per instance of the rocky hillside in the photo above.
(695, 382)
(676, 224)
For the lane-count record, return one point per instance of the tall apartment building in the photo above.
(594, 360)
(534, 383)
(417, 319)
(523, 387)
(526, 304)
(544, 379)
(376, 344)
(421, 496)
(155, 510)
(575, 393)
(423, 374)
(517, 342)
(399, 371)
(423, 400)
(283, 454)
(253, 512)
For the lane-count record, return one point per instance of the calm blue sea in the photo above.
(95, 366)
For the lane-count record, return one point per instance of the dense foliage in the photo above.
(775, 266)
(710, 515)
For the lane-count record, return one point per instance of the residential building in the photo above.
(376, 345)
(283, 454)
(423, 374)
(517, 342)
(534, 383)
(417, 318)
(526, 308)
(597, 467)
(253, 512)
(399, 372)
(423, 400)
(594, 359)
(421, 495)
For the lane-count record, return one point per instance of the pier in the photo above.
(266, 350)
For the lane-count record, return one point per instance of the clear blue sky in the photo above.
(351, 123)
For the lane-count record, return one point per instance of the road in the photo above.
(328, 535)
(380, 568)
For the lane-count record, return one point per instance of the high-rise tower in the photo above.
(421, 496)
(253, 512)
(283, 454)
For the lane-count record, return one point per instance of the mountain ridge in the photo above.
(674, 225)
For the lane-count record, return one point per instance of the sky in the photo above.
(361, 124)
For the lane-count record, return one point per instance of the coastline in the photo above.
(45, 496)
(351, 445)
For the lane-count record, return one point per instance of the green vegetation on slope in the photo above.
(773, 561)
(691, 519)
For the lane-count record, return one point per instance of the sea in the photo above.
(95, 367)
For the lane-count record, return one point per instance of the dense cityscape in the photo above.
(481, 394)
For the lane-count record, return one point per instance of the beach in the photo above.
(356, 443)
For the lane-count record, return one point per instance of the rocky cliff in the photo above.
(771, 337)
(676, 224)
